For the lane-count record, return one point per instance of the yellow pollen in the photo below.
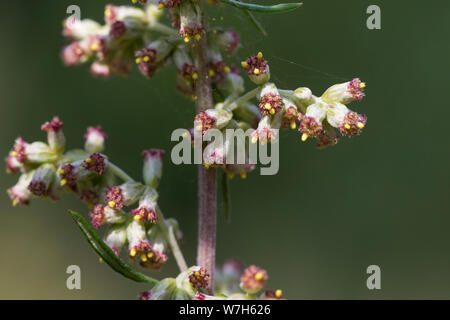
(360, 125)
(160, 6)
(227, 69)
(362, 85)
(199, 127)
(133, 253)
(347, 126)
(13, 154)
(260, 55)
(278, 293)
(230, 176)
(197, 274)
(63, 182)
(195, 76)
(267, 106)
(197, 37)
(100, 260)
(272, 111)
(187, 39)
(211, 72)
(137, 217)
(95, 47)
(304, 137)
(146, 59)
(256, 71)
(15, 203)
(112, 204)
(243, 175)
(134, 1)
(88, 160)
(61, 172)
(207, 165)
(138, 60)
(254, 139)
(244, 64)
(150, 255)
(144, 258)
(259, 276)
(108, 12)
(293, 125)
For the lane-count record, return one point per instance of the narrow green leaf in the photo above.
(105, 252)
(278, 8)
(255, 22)
(226, 197)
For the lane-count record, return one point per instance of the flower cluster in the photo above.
(133, 35)
(48, 171)
(275, 109)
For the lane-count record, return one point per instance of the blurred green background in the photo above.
(381, 198)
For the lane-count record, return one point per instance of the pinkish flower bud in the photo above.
(12, 164)
(138, 245)
(233, 83)
(311, 124)
(270, 101)
(151, 58)
(41, 181)
(34, 153)
(99, 69)
(190, 21)
(95, 140)
(147, 207)
(253, 279)
(291, 116)
(345, 92)
(228, 41)
(304, 96)
(212, 118)
(68, 174)
(353, 124)
(155, 259)
(126, 194)
(118, 29)
(95, 163)
(19, 193)
(119, 13)
(257, 69)
(80, 29)
(152, 170)
(217, 71)
(199, 277)
(55, 135)
(73, 54)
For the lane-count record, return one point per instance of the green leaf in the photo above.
(105, 252)
(226, 197)
(278, 8)
(255, 22)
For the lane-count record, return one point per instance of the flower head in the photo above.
(68, 174)
(267, 131)
(270, 101)
(257, 69)
(212, 118)
(55, 136)
(190, 21)
(138, 245)
(116, 237)
(95, 140)
(199, 277)
(73, 54)
(19, 193)
(253, 279)
(118, 29)
(101, 70)
(229, 41)
(345, 92)
(41, 181)
(95, 163)
(147, 207)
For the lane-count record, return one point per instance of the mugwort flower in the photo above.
(257, 69)
(95, 140)
(147, 207)
(253, 279)
(152, 170)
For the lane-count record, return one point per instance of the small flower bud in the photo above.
(80, 29)
(253, 279)
(95, 140)
(164, 289)
(101, 215)
(228, 41)
(291, 116)
(304, 96)
(118, 13)
(311, 124)
(233, 82)
(199, 277)
(147, 207)
(126, 194)
(95, 163)
(19, 193)
(12, 164)
(73, 54)
(270, 101)
(41, 181)
(138, 245)
(212, 118)
(152, 170)
(190, 21)
(101, 70)
(116, 237)
(55, 136)
(345, 92)
(257, 69)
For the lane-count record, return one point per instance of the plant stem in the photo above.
(207, 180)
(173, 243)
(242, 99)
